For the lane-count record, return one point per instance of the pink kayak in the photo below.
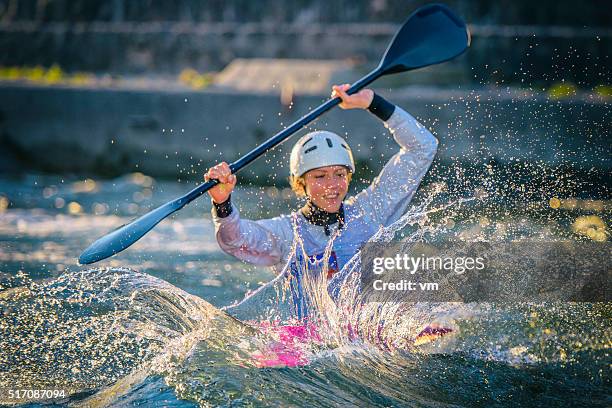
(289, 349)
(291, 344)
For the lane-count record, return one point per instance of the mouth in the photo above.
(331, 196)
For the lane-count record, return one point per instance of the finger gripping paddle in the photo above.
(431, 35)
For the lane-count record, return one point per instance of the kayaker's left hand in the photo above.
(361, 99)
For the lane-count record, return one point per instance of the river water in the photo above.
(147, 327)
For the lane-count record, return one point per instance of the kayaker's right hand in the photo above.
(221, 192)
(361, 99)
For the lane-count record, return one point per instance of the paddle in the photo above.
(431, 35)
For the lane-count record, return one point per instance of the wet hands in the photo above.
(361, 99)
(227, 181)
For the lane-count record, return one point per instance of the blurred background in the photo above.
(110, 108)
(88, 86)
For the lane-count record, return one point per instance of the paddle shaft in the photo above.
(126, 235)
(279, 137)
(431, 35)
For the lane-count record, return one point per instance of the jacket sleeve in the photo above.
(387, 198)
(263, 242)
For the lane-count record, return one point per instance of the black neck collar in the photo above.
(317, 216)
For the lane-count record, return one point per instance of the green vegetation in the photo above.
(605, 91)
(54, 75)
(566, 89)
(562, 90)
(194, 79)
(39, 75)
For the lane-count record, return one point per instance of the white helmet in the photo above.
(320, 149)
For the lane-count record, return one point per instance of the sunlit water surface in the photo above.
(146, 327)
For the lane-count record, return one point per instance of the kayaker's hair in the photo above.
(298, 184)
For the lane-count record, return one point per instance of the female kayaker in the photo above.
(321, 167)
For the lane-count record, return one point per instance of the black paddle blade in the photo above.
(126, 235)
(431, 35)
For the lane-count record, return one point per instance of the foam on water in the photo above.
(110, 336)
(104, 335)
(86, 330)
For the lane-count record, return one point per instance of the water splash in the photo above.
(105, 334)
(496, 332)
(87, 330)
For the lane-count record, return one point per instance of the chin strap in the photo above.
(317, 216)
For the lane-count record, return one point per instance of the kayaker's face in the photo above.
(327, 186)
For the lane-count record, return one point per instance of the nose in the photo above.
(332, 184)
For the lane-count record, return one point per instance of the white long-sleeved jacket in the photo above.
(268, 242)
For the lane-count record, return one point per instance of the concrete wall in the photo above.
(549, 12)
(526, 56)
(179, 134)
